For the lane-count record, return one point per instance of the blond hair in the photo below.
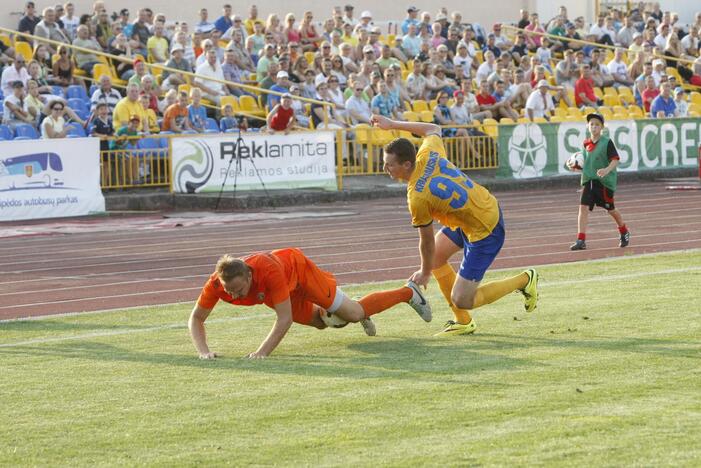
(230, 267)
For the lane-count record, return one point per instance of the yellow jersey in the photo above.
(438, 190)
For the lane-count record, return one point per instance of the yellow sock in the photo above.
(445, 276)
(490, 292)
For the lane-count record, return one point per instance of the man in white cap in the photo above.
(540, 102)
(365, 20)
(178, 61)
(682, 107)
(282, 85)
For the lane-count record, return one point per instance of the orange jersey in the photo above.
(277, 276)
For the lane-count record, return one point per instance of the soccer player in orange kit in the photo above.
(298, 290)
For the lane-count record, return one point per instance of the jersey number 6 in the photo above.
(445, 188)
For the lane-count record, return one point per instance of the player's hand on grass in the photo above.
(257, 355)
(420, 278)
(381, 122)
(209, 355)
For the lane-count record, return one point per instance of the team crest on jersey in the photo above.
(261, 296)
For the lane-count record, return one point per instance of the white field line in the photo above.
(411, 256)
(341, 274)
(534, 206)
(330, 243)
(110, 333)
(345, 285)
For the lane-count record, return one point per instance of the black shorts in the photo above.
(595, 194)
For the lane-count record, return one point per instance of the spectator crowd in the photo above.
(435, 67)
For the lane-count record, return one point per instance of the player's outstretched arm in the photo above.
(283, 322)
(197, 331)
(418, 128)
(427, 248)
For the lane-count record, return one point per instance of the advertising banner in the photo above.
(540, 150)
(297, 160)
(50, 178)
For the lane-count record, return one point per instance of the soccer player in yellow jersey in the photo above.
(472, 220)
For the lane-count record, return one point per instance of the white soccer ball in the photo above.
(332, 320)
(576, 161)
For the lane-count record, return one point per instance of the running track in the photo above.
(106, 263)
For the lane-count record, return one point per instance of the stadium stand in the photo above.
(240, 67)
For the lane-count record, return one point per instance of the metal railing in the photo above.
(145, 161)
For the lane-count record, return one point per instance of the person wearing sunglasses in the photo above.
(54, 126)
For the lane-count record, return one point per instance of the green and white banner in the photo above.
(297, 160)
(529, 151)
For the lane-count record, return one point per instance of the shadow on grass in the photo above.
(410, 358)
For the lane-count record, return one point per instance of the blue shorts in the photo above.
(477, 256)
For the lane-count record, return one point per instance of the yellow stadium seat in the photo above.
(694, 107)
(250, 105)
(560, 112)
(611, 101)
(694, 114)
(184, 88)
(426, 116)
(100, 69)
(619, 117)
(411, 116)
(490, 127)
(695, 97)
(506, 120)
(5, 39)
(540, 120)
(382, 137)
(620, 110)
(574, 111)
(409, 136)
(230, 101)
(523, 120)
(610, 91)
(556, 119)
(573, 118)
(671, 71)
(419, 105)
(24, 49)
(598, 93)
(432, 104)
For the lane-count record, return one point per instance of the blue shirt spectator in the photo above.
(227, 123)
(411, 19)
(223, 23)
(664, 102)
(197, 115)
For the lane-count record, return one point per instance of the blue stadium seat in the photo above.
(93, 88)
(6, 133)
(57, 90)
(22, 137)
(78, 104)
(77, 92)
(151, 146)
(26, 130)
(76, 129)
(211, 126)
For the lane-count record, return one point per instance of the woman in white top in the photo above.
(337, 96)
(53, 126)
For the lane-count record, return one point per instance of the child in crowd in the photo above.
(682, 109)
(102, 125)
(152, 122)
(196, 113)
(229, 121)
(545, 54)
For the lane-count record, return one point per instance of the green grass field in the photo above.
(606, 372)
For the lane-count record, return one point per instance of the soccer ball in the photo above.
(332, 320)
(576, 161)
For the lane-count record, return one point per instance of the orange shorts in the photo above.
(314, 287)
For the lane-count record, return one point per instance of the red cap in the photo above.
(138, 61)
(457, 93)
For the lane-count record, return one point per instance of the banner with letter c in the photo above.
(297, 160)
(50, 178)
